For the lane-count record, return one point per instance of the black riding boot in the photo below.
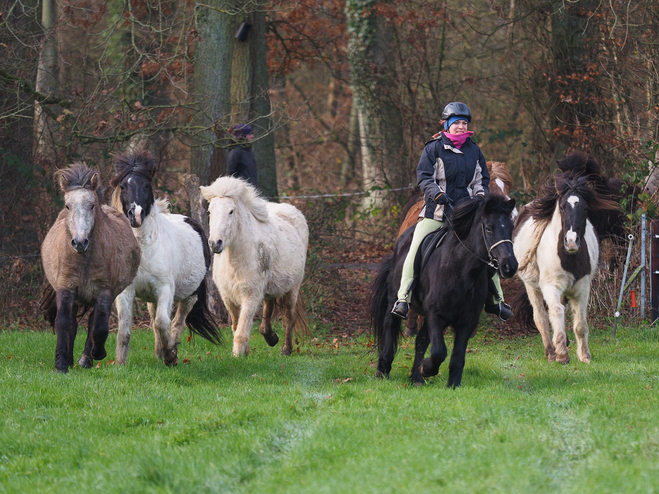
(401, 308)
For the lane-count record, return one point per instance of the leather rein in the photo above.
(492, 261)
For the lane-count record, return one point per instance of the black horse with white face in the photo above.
(450, 290)
(173, 266)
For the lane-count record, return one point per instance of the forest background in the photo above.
(342, 94)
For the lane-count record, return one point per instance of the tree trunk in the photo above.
(373, 81)
(46, 84)
(212, 88)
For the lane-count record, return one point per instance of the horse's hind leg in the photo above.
(270, 336)
(289, 301)
(438, 352)
(86, 361)
(157, 342)
(162, 323)
(124, 305)
(183, 308)
(391, 328)
(420, 346)
(541, 319)
(579, 309)
(100, 329)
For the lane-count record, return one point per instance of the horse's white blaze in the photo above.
(137, 210)
(80, 217)
(500, 183)
(573, 200)
(541, 271)
(571, 238)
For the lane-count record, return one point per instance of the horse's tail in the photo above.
(200, 320)
(300, 325)
(48, 304)
(521, 305)
(379, 305)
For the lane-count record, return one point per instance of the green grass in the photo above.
(320, 422)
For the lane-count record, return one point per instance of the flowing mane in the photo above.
(78, 176)
(499, 172)
(462, 216)
(580, 163)
(560, 185)
(140, 163)
(239, 191)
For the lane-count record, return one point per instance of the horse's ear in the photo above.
(61, 181)
(94, 181)
(206, 193)
(510, 204)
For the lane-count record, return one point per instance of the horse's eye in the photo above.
(67, 206)
(489, 230)
(92, 208)
(231, 212)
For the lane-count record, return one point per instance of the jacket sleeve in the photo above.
(480, 184)
(425, 172)
(234, 161)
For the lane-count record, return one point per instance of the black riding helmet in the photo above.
(456, 109)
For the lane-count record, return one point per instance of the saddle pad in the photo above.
(428, 244)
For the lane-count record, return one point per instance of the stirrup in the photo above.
(401, 308)
(501, 310)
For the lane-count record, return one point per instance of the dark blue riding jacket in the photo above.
(458, 173)
(242, 164)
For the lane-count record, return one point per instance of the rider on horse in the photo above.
(452, 167)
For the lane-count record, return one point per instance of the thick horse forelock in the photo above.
(140, 163)
(462, 216)
(579, 163)
(240, 192)
(76, 176)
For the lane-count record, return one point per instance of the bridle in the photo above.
(492, 261)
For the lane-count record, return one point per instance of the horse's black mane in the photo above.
(140, 163)
(76, 176)
(580, 163)
(463, 215)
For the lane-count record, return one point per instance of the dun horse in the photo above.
(89, 256)
(451, 288)
(260, 253)
(175, 259)
(558, 251)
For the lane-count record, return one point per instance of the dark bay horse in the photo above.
(451, 288)
(89, 256)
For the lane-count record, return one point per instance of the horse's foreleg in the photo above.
(420, 346)
(162, 323)
(579, 308)
(556, 312)
(100, 328)
(438, 352)
(86, 361)
(65, 338)
(541, 319)
(124, 305)
(457, 363)
(244, 327)
(270, 336)
(183, 308)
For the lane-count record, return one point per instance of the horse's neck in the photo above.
(243, 248)
(151, 228)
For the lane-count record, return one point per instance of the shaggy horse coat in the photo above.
(173, 266)
(451, 288)
(89, 256)
(557, 248)
(260, 253)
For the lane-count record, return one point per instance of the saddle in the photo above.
(428, 244)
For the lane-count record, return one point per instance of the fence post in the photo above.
(643, 234)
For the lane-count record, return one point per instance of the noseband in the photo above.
(492, 261)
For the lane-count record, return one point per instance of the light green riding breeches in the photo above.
(423, 228)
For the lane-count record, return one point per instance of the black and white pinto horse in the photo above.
(557, 248)
(451, 288)
(173, 266)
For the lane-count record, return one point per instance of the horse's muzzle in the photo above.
(216, 246)
(135, 220)
(571, 246)
(508, 268)
(80, 246)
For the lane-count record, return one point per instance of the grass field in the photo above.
(320, 422)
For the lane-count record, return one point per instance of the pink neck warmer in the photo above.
(459, 139)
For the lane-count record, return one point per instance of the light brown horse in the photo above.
(89, 256)
(500, 183)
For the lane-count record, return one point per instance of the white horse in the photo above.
(175, 260)
(260, 253)
(557, 249)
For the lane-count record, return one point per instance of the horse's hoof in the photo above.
(419, 383)
(381, 374)
(271, 338)
(85, 362)
(286, 350)
(62, 371)
(562, 359)
(99, 354)
(171, 363)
